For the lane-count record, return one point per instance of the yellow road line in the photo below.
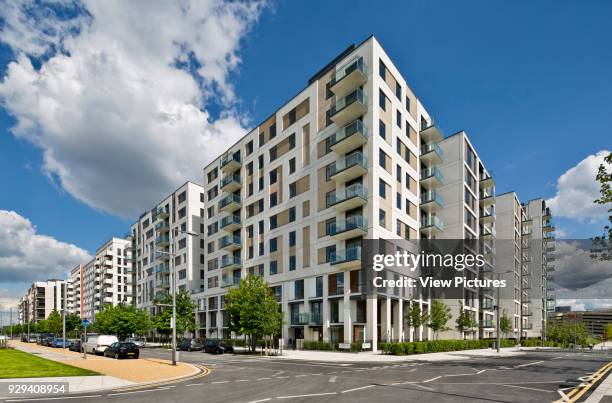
(204, 372)
(581, 389)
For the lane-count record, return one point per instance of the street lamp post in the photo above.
(173, 324)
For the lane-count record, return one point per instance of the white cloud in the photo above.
(9, 299)
(577, 189)
(575, 269)
(120, 105)
(28, 256)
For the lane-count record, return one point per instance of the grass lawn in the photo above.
(17, 364)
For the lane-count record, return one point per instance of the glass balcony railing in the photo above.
(432, 197)
(486, 323)
(355, 128)
(162, 211)
(229, 281)
(355, 96)
(348, 255)
(230, 220)
(316, 318)
(162, 225)
(232, 178)
(229, 240)
(228, 200)
(432, 221)
(162, 268)
(230, 158)
(356, 190)
(432, 147)
(162, 239)
(432, 172)
(300, 318)
(351, 223)
(353, 160)
(227, 261)
(356, 64)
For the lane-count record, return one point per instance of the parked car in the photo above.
(97, 344)
(33, 338)
(190, 345)
(48, 341)
(122, 349)
(40, 339)
(59, 342)
(139, 342)
(217, 347)
(76, 345)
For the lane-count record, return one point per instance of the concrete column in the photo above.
(396, 323)
(400, 320)
(386, 320)
(421, 327)
(371, 323)
(348, 319)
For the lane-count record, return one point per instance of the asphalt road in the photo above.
(534, 377)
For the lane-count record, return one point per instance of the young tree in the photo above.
(415, 318)
(73, 323)
(465, 322)
(505, 324)
(252, 310)
(185, 317)
(54, 322)
(439, 317)
(122, 320)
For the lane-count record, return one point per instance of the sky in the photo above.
(91, 94)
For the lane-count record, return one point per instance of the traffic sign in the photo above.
(85, 323)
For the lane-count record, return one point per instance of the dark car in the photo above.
(48, 341)
(76, 345)
(33, 338)
(122, 349)
(190, 345)
(217, 347)
(59, 342)
(41, 338)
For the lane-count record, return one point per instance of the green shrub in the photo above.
(318, 345)
(436, 346)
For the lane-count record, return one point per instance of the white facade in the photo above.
(42, 298)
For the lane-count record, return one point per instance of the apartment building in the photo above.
(293, 200)
(458, 202)
(106, 279)
(42, 298)
(541, 245)
(169, 237)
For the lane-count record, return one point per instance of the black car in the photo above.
(217, 347)
(122, 349)
(48, 341)
(41, 338)
(76, 346)
(189, 345)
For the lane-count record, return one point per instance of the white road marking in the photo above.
(278, 373)
(242, 380)
(311, 395)
(194, 384)
(432, 379)
(558, 358)
(525, 387)
(219, 382)
(281, 377)
(526, 365)
(262, 379)
(412, 370)
(480, 372)
(333, 379)
(301, 375)
(259, 401)
(354, 389)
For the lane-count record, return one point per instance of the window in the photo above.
(292, 263)
(292, 238)
(398, 173)
(292, 189)
(261, 248)
(273, 267)
(328, 93)
(292, 214)
(182, 212)
(382, 100)
(382, 129)
(292, 116)
(273, 199)
(382, 158)
(407, 103)
(398, 200)
(273, 177)
(382, 70)
(249, 147)
(262, 140)
(292, 141)
(330, 253)
(319, 287)
(261, 227)
(273, 131)
(382, 188)
(298, 288)
(382, 219)
(398, 91)
(273, 245)
(292, 165)
(329, 225)
(398, 119)
(260, 162)
(261, 182)
(182, 274)
(249, 168)
(273, 222)
(273, 153)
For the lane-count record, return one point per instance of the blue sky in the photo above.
(529, 82)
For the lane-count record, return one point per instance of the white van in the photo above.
(96, 344)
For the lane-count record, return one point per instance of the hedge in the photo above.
(325, 346)
(436, 346)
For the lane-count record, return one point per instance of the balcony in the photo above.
(546, 213)
(162, 282)
(107, 281)
(487, 323)
(162, 240)
(431, 225)
(431, 177)
(527, 312)
(487, 197)
(231, 223)
(230, 203)
(162, 268)
(550, 248)
(431, 153)
(548, 227)
(348, 168)
(349, 137)
(316, 319)
(350, 228)
(162, 256)
(487, 233)
(347, 259)
(230, 242)
(349, 108)
(231, 262)
(527, 326)
(431, 134)
(107, 300)
(230, 183)
(162, 212)
(162, 226)
(487, 304)
(230, 281)
(349, 76)
(487, 181)
(230, 162)
(487, 216)
(353, 196)
(431, 201)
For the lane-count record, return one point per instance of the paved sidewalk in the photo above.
(142, 370)
(603, 391)
(333, 356)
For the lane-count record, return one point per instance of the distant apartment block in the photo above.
(106, 279)
(42, 298)
(161, 242)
